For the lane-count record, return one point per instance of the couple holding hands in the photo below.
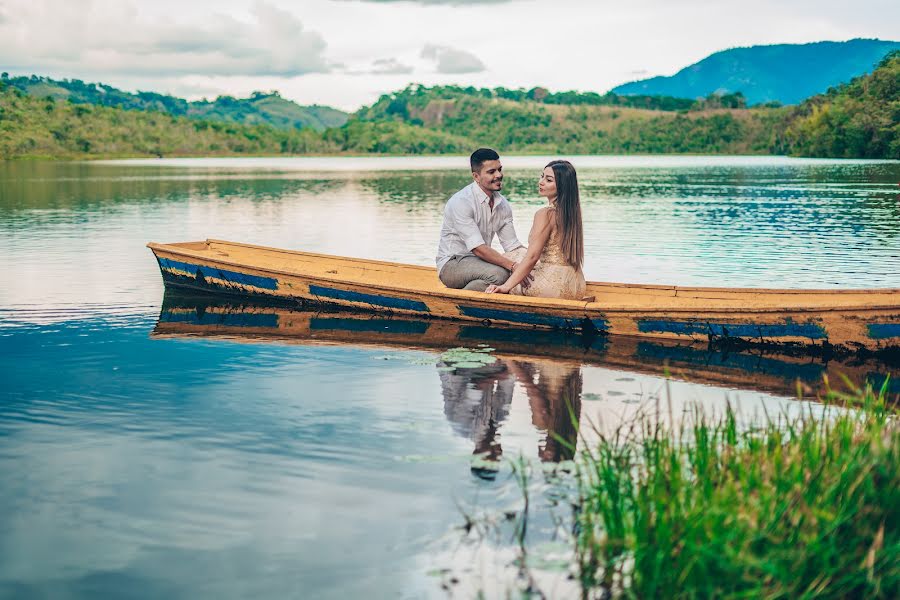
(551, 264)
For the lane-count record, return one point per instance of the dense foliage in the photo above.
(259, 108)
(46, 127)
(803, 507)
(858, 120)
(786, 73)
(417, 96)
(527, 122)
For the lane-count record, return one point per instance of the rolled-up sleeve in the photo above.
(463, 218)
(507, 232)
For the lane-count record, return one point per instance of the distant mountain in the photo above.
(786, 73)
(259, 108)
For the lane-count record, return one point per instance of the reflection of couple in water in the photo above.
(551, 264)
(477, 401)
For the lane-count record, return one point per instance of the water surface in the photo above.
(193, 449)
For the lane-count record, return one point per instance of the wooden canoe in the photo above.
(185, 316)
(853, 319)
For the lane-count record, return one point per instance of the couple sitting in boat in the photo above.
(551, 264)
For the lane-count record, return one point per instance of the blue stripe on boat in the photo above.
(743, 330)
(749, 363)
(496, 314)
(532, 337)
(880, 331)
(369, 325)
(268, 283)
(374, 299)
(224, 319)
(877, 380)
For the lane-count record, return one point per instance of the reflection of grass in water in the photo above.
(804, 506)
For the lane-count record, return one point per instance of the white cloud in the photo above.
(228, 46)
(105, 36)
(390, 66)
(450, 60)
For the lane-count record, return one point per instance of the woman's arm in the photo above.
(537, 239)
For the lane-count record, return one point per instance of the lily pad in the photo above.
(466, 358)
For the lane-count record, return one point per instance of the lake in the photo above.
(156, 445)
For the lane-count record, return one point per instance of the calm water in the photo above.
(194, 450)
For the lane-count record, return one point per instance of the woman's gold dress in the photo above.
(553, 276)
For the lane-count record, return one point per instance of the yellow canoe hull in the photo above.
(856, 319)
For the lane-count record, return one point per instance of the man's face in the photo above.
(490, 177)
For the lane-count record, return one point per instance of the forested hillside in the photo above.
(597, 126)
(44, 127)
(860, 119)
(259, 108)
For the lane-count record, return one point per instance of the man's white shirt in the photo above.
(469, 222)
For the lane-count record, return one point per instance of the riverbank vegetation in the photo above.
(858, 120)
(798, 507)
(803, 504)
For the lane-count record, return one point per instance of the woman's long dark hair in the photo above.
(568, 212)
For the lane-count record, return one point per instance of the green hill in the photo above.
(260, 108)
(44, 127)
(49, 128)
(270, 109)
(860, 119)
(606, 124)
(785, 73)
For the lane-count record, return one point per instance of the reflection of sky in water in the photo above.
(201, 467)
(207, 467)
(74, 234)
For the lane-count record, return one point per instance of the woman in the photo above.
(556, 243)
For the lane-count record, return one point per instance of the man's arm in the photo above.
(486, 253)
(507, 233)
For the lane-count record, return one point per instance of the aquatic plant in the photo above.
(805, 506)
(468, 358)
(710, 506)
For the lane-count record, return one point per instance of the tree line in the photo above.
(860, 119)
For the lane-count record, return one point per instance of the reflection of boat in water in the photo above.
(748, 368)
(848, 318)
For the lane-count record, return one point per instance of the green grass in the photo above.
(802, 507)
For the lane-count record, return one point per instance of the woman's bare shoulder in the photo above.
(544, 213)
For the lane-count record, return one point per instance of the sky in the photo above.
(346, 53)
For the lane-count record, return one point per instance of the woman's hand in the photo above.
(496, 289)
(526, 282)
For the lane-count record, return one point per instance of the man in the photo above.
(472, 216)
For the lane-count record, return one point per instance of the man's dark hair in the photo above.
(480, 156)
